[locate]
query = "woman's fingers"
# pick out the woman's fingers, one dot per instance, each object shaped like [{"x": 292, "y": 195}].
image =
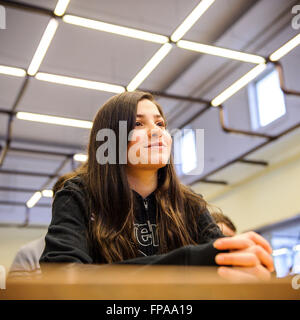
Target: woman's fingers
[
  {"x": 246, "y": 257},
  {"x": 264, "y": 257},
  {"x": 244, "y": 274},
  {"x": 233, "y": 243},
  {"x": 241, "y": 259},
  {"x": 242, "y": 241},
  {"x": 258, "y": 239},
  {"x": 247, "y": 250}
]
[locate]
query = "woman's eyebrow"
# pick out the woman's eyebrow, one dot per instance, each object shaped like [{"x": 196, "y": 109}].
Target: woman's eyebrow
[{"x": 155, "y": 116}]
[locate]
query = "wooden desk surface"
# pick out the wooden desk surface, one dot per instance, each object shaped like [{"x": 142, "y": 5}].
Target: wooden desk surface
[{"x": 127, "y": 282}]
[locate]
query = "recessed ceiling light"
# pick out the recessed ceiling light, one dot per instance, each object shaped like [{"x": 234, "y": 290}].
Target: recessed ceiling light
[
  {"x": 286, "y": 48},
  {"x": 149, "y": 66},
  {"x": 61, "y": 7},
  {"x": 112, "y": 28},
  {"x": 34, "y": 199},
  {"x": 54, "y": 120},
  {"x": 191, "y": 19},
  {"x": 80, "y": 157},
  {"x": 239, "y": 84},
  {"x": 11, "y": 71},
  {"x": 43, "y": 47},
  {"x": 221, "y": 52},
  {"x": 47, "y": 193},
  {"x": 88, "y": 84}
]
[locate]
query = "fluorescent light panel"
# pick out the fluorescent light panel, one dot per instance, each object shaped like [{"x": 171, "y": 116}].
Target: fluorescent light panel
[
  {"x": 61, "y": 7},
  {"x": 239, "y": 84},
  {"x": 54, "y": 120},
  {"x": 34, "y": 199},
  {"x": 112, "y": 28},
  {"x": 150, "y": 66},
  {"x": 80, "y": 157},
  {"x": 285, "y": 49},
  {"x": 191, "y": 19},
  {"x": 43, "y": 47},
  {"x": 17, "y": 72},
  {"x": 279, "y": 252},
  {"x": 88, "y": 84},
  {"x": 221, "y": 52},
  {"x": 296, "y": 247},
  {"x": 47, "y": 193}
]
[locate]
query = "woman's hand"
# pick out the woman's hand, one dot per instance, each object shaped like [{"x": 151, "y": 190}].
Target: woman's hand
[{"x": 250, "y": 255}]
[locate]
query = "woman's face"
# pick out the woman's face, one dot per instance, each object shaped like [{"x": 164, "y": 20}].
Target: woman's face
[{"x": 150, "y": 144}]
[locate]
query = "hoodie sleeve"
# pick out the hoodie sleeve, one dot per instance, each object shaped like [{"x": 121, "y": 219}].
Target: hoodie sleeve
[
  {"x": 198, "y": 255},
  {"x": 66, "y": 239}
]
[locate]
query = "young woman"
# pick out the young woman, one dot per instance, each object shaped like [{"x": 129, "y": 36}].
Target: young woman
[{"x": 126, "y": 204}]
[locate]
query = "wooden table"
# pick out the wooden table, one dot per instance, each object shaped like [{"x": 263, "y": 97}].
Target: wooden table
[{"x": 126, "y": 282}]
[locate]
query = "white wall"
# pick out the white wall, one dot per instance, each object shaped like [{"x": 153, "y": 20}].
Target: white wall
[
  {"x": 11, "y": 239},
  {"x": 270, "y": 196}
]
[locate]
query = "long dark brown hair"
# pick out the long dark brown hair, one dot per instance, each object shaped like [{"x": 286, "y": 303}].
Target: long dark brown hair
[{"x": 111, "y": 201}]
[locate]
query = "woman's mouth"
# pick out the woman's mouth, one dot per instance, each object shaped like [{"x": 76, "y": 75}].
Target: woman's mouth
[{"x": 156, "y": 145}]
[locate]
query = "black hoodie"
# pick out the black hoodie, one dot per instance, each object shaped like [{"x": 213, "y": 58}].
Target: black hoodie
[{"x": 66, "y": 239}]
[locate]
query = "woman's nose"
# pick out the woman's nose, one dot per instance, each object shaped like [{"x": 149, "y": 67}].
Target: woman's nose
[{"x": 154, "y": 131}]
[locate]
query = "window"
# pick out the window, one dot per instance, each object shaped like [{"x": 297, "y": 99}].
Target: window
[
  {"x": 186, "y": 151},
  {"x": 266, "y": 100},
  {"x": 284, "y": 237}
]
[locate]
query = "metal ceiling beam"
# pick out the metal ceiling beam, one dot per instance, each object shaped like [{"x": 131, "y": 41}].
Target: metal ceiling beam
[
  {"x": 22, "y": 204},
  {"x": 222, "y": 182},
  {"x": 177, "y": 97},
  {"x": 239, "y": 158},
  {"x": 227, "y": 129},
  {"x": 27, "y": 7},
  {"x": 41, "y": 152},
  {"x": 53, "y": 144},
  {"x": 18, "y": 225},
  {"x": 195, "y": 116},
  {"x": 255, "y": 162},
  {"x": 27, "y": 173},
  {"x": 279, "y": 69},
  {"x": 56, "y": 172},
  {"x": 10, "y": 121},
  {"x": 23, "y": 190}
]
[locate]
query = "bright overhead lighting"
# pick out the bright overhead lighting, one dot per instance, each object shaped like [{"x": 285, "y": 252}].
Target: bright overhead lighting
[
  {"x": 80, "y": 157},
  {"x": 112, "y": 28},
  {"x": 279, "y": 252},
  {"x": 239, "y": 84},
  {"x": 150, "y": 66},
  {"x": 34, "y": 199},
  {"x": 47, "y": 193},
  {"x": 88, "y": 84},
  {"x": 61, "y": 7},
  {"x": 54, "y": 120},
  {"x": 17, "y": 72},
  {"x": 191, "y": 19},
  {"x": 296, "y": 247},
  {"x": 221, "y": 52},
  {"x": 286, "y": 48},
  {"x": 43, "y": 47}
]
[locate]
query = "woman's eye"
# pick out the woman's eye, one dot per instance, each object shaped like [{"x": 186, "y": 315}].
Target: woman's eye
[{"x": 161, "y": 124}]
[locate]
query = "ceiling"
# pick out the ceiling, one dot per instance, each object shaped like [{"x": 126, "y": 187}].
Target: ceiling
[{"x": 257, "y": 27}]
